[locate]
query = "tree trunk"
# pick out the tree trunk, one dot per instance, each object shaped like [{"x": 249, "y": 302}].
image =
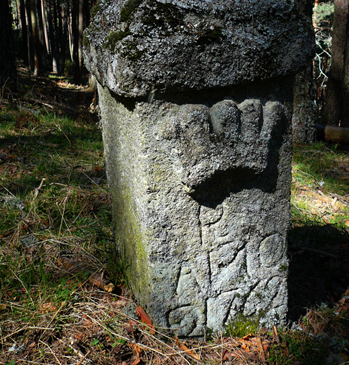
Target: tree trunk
[
  {"x": 30, "y": 36},
  {"x": 78, "y": 61},
  {"x": 24, "y": 33},
  {"x": 75, "y": 33},
  {"x": 41, "y": 46},
  {"x": 336, "y": 109},
  {"x": 304, "y": 110},
  {"x": 52, "y": 36},
  {"x": 45, "y": 32},
  {"x": 8, "y": 72},
  {"x": 63, "y": 31},
  {"x": 36, "y": 42},
  {"x": 71, "y": 34}
]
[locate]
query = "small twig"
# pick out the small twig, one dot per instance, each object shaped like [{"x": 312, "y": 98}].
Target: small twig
[
  {"x": 8, "y": 191},
  {"x": 80, "y": 362},
  {"x": 59, "y": 184},
  {"x": 40, "y": 328},
  {"x": 93, "y": 182},
  {"x": 36, "y": 191},
  {"x": 62, "y": 213},
  {"x": 177, "y": 352},
  {"x": 14, "y": 333},
  {"x": 60, "y": 129},
  {"x": 51, "y": 352},
  {"x": 38, "y": 102},
  {"x": 125, "y": 338},
  {"x": 3, "y": 88},
  {"x": 54, "y": 316},
  {"x": 320, "y": 69},
  {"x": 25, "y": 288}
]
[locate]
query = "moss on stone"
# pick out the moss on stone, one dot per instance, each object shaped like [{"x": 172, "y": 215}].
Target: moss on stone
[
  {"x": 128, "y": 9},
  {"x": 85, "y": 41},
  {"x": 131, "y": 245},
  {"x": 241, "y": 326},
  {"x": 132, "y": 52},
  {"x": 163, "y": 14},
  {"x": 283, "y": 268},
  {"x": 95, "y": 9},
  {"x": 113, "y": 37}
]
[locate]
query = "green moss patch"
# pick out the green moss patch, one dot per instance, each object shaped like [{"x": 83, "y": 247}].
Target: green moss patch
[
  {"x": 95, "y": 9},
  {"x": 132, "y": 52},
  {"x": 85, "y": 41},
  {"x": 242, "y": 326},
  {"x": 163, "y": 14},
  {"x": 128, "y": 9},
  {"x": 114, "y": 37}
]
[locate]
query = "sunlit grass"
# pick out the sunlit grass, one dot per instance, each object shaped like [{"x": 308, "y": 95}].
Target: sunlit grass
[{"x": 54, "y": 204}]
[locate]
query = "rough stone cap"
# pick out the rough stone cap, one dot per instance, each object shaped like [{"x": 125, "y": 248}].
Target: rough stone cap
[{"x": 137, "y": 47}]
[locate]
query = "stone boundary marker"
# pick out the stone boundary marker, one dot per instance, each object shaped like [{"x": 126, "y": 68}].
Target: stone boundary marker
[{"x": 196, "y": 103}]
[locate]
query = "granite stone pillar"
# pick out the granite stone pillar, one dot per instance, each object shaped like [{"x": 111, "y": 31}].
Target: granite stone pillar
[{"x": 196, "y": 104}]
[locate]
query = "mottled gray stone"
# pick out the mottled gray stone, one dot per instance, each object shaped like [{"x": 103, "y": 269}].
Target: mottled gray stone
[
  {"x": 173, "y": 45},
  {"x": 198, "y": 156}
]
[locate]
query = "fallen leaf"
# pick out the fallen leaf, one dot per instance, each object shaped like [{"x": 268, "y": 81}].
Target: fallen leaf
[
  {"x": 48, "y": 307},
  {"x": 119, "y": 303},
  {"x": 136, "y": 348},
  {"x": 2, "y": 306},
  {"x": 145, "y": 318},
  {"x": 138, "y": 352},
  {"x": 243, "y": 354},
  {"x": 245, "y": 347},
  {"x": 184, "y": 348},
  {"x": 109, "y": 287},
  {"x": 226, "y": 355},
  {"x": 261, "y": 349}
]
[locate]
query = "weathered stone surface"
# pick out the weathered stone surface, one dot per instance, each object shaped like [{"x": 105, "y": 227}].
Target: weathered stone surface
[
  {"x": 136, "y": 47},
  {"x": 201, "y": 206},
  {"x": 200, "y": 169}
]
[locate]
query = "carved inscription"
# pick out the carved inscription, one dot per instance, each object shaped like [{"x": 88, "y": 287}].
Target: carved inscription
[{"x": 220, "y": 153}]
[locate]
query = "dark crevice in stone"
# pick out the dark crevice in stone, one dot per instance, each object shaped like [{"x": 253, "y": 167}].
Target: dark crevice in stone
[
  {"x": 276, "y": 89},
  {"x": 216, "y": 189}
]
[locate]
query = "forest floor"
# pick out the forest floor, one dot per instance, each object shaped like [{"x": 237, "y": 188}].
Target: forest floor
[{"x": 64, "y": 301}]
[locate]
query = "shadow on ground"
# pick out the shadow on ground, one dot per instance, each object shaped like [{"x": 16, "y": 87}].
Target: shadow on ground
[{"x": 319, "y": 267}]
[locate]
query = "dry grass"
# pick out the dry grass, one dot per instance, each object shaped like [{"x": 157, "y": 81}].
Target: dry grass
[{"x": 63, "y": 300}]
